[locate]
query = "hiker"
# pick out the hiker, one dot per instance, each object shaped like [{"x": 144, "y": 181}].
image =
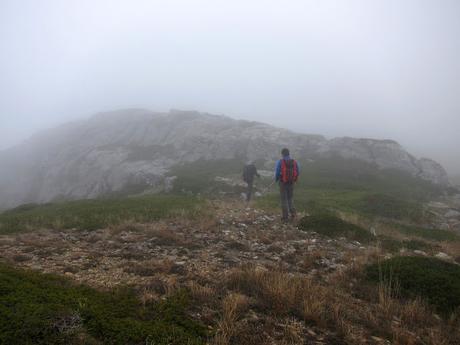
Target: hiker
[
  {"x": 286, "y": 174},
  {"x": 249, "y": 172}
]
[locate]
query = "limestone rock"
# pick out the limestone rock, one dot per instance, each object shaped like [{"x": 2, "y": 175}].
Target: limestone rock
[
  {"x": 443, "y": 256},
  {"x": 133, "y": 150},
  {"x": 452, "y": 214}
]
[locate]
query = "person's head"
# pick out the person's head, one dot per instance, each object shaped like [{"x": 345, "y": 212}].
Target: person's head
[{"x": 285, "y": 152}]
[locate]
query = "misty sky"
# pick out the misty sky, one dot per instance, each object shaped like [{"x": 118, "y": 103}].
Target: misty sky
[{"x": 368, "y": 68}]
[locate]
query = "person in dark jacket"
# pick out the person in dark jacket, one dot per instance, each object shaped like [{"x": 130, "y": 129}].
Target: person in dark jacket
[
  {"x": 286, "y": 173},
  {"x": 249, "y": 172}
]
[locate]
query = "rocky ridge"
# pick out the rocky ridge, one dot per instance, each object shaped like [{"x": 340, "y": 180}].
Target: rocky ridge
[{"x": 115, "y": 151}]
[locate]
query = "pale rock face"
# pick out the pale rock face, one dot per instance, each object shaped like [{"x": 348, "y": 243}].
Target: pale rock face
[
  {"x": 113, "y": 151},
  {"x": 386, "y": 154},
  {"x": 432, "y": 171}
]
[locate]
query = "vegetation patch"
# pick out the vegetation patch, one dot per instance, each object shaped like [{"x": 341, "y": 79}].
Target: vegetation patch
[
  {"x": 45, "y": 309},
  {"x": 387, "y": 206},
  {"x": 199, "y": 177},
  {"x": 355, "y": 186},
  {"x": 332, "y": 226},
  {"x": 98, "y": 213},
  {"x": 426, "y": 233},
  {"x": 351, "y": 174},
  {"x": 418, "y": 245},
  {"x": 392, "y": 245},
  {"x": 436, "y": 281}
]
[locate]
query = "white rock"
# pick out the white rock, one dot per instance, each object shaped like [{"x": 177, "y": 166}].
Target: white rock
[
  {"x": 452, "y": 214},
  {"x": 443, "y": 256}
]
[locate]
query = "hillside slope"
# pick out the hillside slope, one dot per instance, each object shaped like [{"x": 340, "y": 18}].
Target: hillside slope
[
  {"x": 133, "y": 150},
  {"x": 248, "y": 278}
]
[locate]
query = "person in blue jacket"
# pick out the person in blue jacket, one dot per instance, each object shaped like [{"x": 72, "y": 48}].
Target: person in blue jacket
[{"x": 286, "y": 174}]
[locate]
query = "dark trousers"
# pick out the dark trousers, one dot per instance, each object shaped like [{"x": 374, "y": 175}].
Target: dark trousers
[
  {"x": 287, "y": 204},
  {"x": 249, "y": 191}
]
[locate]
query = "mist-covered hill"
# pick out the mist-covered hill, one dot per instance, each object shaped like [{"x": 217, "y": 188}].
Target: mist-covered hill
[{"x": 130, "y": 149}]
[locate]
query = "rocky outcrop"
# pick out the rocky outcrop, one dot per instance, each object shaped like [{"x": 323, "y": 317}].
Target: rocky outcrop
[
  {"x": 432, "y": 171},
  {"x": 135, "y": 148}
]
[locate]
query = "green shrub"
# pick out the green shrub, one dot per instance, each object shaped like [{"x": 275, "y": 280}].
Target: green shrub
[
  {"x": 436, "y": 281},
  {"x": 332, "y": 226},
  {"x": 46, "y": 309},
  {"x": 97, "y": 213}
]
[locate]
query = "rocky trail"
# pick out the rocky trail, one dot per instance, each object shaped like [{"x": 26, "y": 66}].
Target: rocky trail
[
  {"x": 200, "y": 254},
  {"x": 133, "y": 253}
]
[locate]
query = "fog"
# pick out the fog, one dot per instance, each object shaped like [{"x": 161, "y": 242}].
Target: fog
[{"x": 380, "y": 68}]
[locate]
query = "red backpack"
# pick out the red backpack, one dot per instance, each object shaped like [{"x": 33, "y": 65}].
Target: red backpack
[{"x": 289, "y": 171}]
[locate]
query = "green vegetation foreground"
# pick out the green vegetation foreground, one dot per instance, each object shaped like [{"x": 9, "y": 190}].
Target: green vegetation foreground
[
  {"x": 46, "y": 309},
  {"x": 98, "y": 213}
]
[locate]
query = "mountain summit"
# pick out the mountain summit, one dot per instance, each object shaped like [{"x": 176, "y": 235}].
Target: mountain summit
[{"x": 111, "y": 151}]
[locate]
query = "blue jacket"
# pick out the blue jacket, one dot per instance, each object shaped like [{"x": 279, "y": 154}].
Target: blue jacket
[{"x": 278, "y": 168}]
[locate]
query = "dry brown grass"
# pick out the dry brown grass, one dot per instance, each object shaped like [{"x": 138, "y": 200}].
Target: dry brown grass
[
  {"x": 233, "y": 306},
  {"x": 293, "y": 332},
  {"x": 281, "y": 235},
  {"x": 6, "y": 241},
  {"x": 452, "y": 248},
  {"x": 154, "y": 266},
  {"x": 41, "y": 240},
  {"x": 201, "y": 293},
  {"x": 18, "y": 258},
  {"x": 310, "y": 260},
  {"x": 126, "y": 226},
  {"x": 165, "y": 236},
  {"x": 356, "y": 320},
  {"x": 281, "y": 293},
  {"x": 207, "y": 223}
]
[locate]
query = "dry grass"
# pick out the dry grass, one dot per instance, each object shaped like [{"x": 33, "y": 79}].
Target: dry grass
[
  {"x": 18, "y": 258},
  {"x": 310, "y": 261},
  {"x": 280, "y": 235},
  {"x": 38, "y": 240},
  {"x": 293, "y": 332},
  {"x": 128, "y": 226},
  {"x": 452, "y": 248},
  {"x": 233, "y": 306},
  {"x": 200, "y": 293},
  {"x": 164, "y": 236},
  {"x": 281, "y": 293},
  {"x": 378, "y": 316},
  {"x": 154, "y": 266},
  {"x": 387, "y": 292},
  {"x": 6, "y": 241}
]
